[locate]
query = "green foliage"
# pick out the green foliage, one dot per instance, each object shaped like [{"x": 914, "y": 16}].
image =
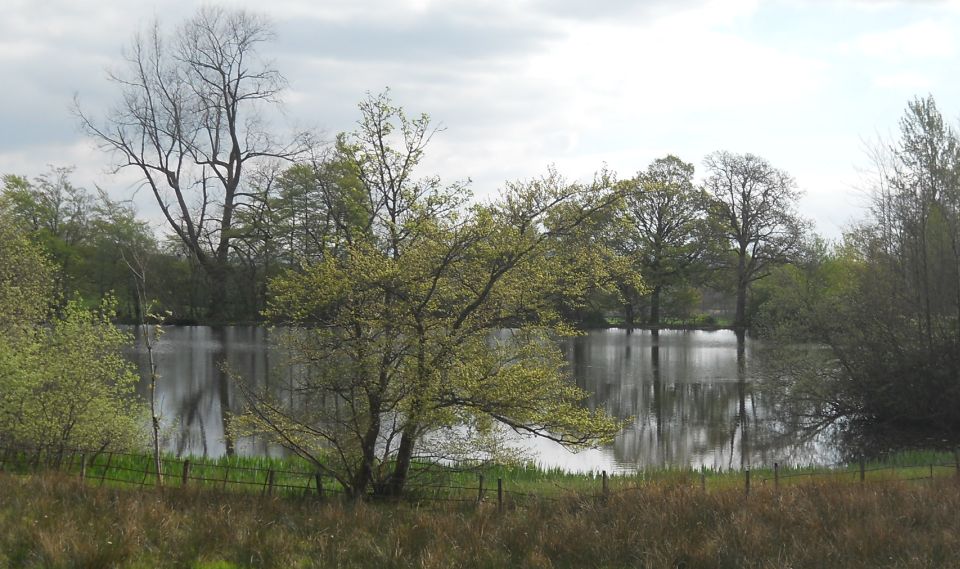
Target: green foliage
[
  {"x": 395, "y": 325},
  {"x": 68, "y": 386},
  {"x": 86, "y": 237},
  {"x": 26, "y": 283},
  {"x": 662, "y": 230},
  {"x": 886, "y": 305},
  {"x": 63, "y": 382}
]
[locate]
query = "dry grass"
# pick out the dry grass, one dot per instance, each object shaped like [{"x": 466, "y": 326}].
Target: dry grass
[{"x": 47, "y": 521}]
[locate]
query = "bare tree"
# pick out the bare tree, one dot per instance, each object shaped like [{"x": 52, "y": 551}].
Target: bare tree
[
  {"x": 753, "y": 208},
  {"x": 138, "y": 269},
  {"x": 190, "y": 119}
]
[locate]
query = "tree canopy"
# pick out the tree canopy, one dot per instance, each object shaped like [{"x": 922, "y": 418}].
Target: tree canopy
[
  {"x": 395, "y": 329},
  {"x": 663, "y": 227},
  {"x": 886, "y": 304},
  {"x": 64, "y": 383},
  {"x": 754, "y": 210}
]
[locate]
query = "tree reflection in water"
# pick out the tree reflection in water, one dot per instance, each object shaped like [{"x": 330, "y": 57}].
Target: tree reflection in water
[{"x": 689, "y": 396}]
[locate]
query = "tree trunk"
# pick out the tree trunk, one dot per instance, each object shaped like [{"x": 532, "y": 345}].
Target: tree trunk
[
  {"x": 217, "y": 274},
  {"x": 408, "y": 439},
  {"x": 655, "y": 305},
  {"x": 628, "y": 316},
  {"x": 404, "y": 457},
  {"x": 364, "y": 474},
  {"x": 740, "y": 320}
]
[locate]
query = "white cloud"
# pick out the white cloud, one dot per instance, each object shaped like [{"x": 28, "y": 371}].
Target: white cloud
[
  {"x": 906, "y": 81},
  {"x": 521, "y": 84},
  {"x": 923, "y": 39}
]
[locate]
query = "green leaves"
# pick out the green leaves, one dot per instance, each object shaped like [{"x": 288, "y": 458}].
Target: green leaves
[
  {"x": 396, "y": 329},
  {"x": 63, "y": 380},
  {"x": 68, "y": 386}
]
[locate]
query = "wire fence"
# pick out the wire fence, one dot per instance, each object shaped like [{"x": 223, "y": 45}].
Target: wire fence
[{"x": 117, "y": 469}]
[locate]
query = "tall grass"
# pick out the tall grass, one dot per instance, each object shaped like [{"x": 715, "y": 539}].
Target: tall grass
[{"x": 56, "y": 522}]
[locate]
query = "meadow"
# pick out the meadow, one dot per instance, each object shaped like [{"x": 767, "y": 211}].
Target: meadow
[{"x": 669, "y": 520}]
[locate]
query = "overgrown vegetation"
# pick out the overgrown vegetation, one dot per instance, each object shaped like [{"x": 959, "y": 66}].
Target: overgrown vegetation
[
  {"x": 391, "y": 344},
  {"x": 885, "y": 304},
  {"x": 54, "y": 523},
  {"x": 63, "y": 380}
]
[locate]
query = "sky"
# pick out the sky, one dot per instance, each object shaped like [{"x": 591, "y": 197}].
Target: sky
[{"x": 517, "y": 86}]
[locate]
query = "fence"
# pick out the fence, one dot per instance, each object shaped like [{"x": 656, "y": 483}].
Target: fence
[
  {"x": 101, "y": 468},
  {"x": 120, "y": 468}
]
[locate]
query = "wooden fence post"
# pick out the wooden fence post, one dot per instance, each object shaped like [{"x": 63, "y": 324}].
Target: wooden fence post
[
  {"x": 499, "y": 494},
  {"x": 269, "y": 488},
  {"x": 703, "y": 481},
  {"x": 480, "y": 490},
  {"x": 776, "y": 476},
  {"x": 746, "y": 488},
  {"x": 106, "y": 468},
  {"x": 186, "y": 474},
  {"x": 146, "y": 474},
  {"x": 606, "y": 484}
]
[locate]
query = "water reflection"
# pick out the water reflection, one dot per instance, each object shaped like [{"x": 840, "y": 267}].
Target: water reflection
[
  {"x": 688, "y": 397},
  {"x": 194, "y": 393}
]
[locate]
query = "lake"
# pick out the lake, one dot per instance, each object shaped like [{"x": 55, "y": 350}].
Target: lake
[{"x": 689, "y": 398}]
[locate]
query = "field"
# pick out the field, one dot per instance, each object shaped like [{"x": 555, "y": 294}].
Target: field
[{"x": 54, "y": 520}]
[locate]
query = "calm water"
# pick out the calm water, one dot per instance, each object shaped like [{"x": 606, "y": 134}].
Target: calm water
[{"x": 689, "y": 398}]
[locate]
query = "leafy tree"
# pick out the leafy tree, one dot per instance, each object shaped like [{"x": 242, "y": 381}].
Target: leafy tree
[
  {"x": 115, "y": 236},
  {"x": 298, "y": 216},
  {"x": 56, "y": 214},
  {"x": 63, "y": 381},
  {"x": 189, "y": 121},
  {"x": 663, "y": 228},
  {"x": 886, "y": 304},
  {"x": 85, "y": 235},
  {"x": 396, "y": 339},
  {"x": 26, "y": 283},
  {"x": 753, "y": 210}
]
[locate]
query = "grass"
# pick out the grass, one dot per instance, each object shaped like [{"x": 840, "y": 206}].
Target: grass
[
  {"x": 55, "y": 522},
  {"x": 430, "y": 482}
]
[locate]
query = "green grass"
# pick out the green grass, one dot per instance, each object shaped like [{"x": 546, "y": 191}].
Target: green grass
[{"x": 432, "y": 482}]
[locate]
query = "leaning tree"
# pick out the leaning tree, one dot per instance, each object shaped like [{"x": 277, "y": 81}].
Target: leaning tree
[{"x": 434, "y": 321}]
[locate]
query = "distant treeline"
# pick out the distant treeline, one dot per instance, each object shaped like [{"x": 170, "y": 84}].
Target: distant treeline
[{"x": 677, "y": 263}]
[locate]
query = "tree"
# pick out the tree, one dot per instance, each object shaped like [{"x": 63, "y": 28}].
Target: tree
[
  {"x": 115, "y": 235},
  {"x": 396, "y": 336},
  {"x": 190, "y": 121},
  {"x": 886, "y": 305},
  {"x": 298, "y": 217},
  {"x": 84, "y": 234},
  {"x": 753, "y": 209},
  {"x": 663, "y": 227},
  {"x": 26, "y": 282},
  {"x": 64, "y": 382},
  {"x": 56, "y": 214}
]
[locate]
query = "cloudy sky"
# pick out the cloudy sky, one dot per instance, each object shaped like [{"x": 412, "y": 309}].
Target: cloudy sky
[{"x": 522, "y": 84}]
